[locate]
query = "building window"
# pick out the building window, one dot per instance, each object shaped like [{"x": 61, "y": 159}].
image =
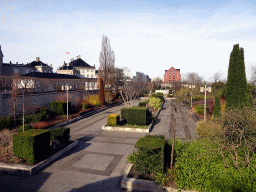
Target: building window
[
  {"x": 87, "y": 76},
  {"x": 16, "y": 71},
  {"x": 91, "y": 76},
  {"x": 87, "y": 70},
  {"x": 83, "y": 71},
  {"x": 91, "y": 70}
]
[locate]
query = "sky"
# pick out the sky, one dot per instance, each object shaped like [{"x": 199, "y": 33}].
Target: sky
[{"x": 146, "y": 36}]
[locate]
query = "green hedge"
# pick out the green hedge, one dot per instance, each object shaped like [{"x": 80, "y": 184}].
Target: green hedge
[
  {"x": 158, "y": 95},
  {"x": 85, "y": 105},
  {"x": 143, "y": 103},
  {"x": 124, "y": 113},
  {"x": 150, "y": 156},
  {"x": 60, "y": 107},
  {"x": 137, "y": 115},
  {"x": 113, "y": 119},
  {"x": 5, "y": 122},
  {"x": 27, "y": 127},
  {"x": 32, "y": 145},
  {"x": 61, "y": 134}
]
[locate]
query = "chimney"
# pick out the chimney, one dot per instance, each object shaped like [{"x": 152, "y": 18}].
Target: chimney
[
  {"x": 79, "y": 56},
  {"x": 72, "y": 59},
  {"x": 37, "y": 59}
]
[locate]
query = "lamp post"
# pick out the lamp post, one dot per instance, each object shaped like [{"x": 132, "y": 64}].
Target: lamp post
[
  {"x": 204, "y": 89},
  {"x": 191, "y": 86},
  {"x": 67, "y": 88}
]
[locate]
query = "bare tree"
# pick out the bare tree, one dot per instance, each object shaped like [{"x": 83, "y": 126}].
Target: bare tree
[
  {"x": 107, "y": 62},
  {"x": 216, "y": 77},
  {"x": 253, "y": 74}
]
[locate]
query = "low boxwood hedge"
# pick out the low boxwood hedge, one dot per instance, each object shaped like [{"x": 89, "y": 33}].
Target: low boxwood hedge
[
  {"x": 61, "y": 134},
  {"x": 113, "y": 119}
]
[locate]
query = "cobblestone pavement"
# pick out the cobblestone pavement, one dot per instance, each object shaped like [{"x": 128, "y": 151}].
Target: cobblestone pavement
[{"x": 98, "y": 162}]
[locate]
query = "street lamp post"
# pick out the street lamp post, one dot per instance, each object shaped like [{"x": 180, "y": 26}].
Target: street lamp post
[{"x": 204, "y": 89}]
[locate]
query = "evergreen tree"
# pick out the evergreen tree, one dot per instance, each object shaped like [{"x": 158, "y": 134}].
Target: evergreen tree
[
  {"x": 236, "y": 88},
  {"x": 216, "y": 112},
  {"x": 101, "y": 92}
]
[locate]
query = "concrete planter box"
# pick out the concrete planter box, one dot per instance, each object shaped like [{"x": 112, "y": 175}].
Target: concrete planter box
[{"x": 20, "y": 170}]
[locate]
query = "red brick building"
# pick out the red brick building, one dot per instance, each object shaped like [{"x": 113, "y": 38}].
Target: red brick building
[{"x": 171, "y": 75}]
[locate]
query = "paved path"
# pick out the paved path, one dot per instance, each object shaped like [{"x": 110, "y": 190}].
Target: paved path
[{"x": 98, "y": 162}]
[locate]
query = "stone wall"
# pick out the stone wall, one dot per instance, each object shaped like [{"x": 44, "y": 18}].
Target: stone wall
[{"x": 32, "y": 101}]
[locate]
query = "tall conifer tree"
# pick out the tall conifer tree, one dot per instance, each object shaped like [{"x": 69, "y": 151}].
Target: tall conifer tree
[
  {"x": 236, "y": 88},
  {"x": 101, "y": 92}
]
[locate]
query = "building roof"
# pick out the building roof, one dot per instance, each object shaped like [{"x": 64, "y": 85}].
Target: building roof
[
  {"x": 65, "y": 67},
  {"x": 79, "y": 63},
  {"x": 51, "y": 75},
  {"x": 1, "y": 53},
  {"x": 37, "y": 63}
]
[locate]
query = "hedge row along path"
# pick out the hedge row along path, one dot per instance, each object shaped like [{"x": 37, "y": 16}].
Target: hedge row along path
[{"x": 98, "y": 162}]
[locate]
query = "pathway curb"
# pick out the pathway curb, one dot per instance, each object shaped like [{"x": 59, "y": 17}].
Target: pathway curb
[{"x": 21, "y": 170}]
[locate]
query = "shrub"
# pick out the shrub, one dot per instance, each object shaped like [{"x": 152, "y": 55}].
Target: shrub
[
  {"x": 61, "y": 134},
  {"x": 5, "y": 122},
  {"x": 155, "y": 103},
  {"x": 40, "y": 125},
  {"x": 113, "y": 119},
  {"x": 199, "y": 166},
  {"x": 86, "y": 105},
  {"x": 31, "y": 145},
  {"x": 200, "y": 109},
  {"x": 137, "y": 115},
  {"x": 60, "y": 107},
  {"x": 143, "y": 103},
  {"x": 94, "y": 100},
  {"x": 216, "y": 112},
  {"x": 198, "y": 97},
  {"x": 150, "y": 156},
  {"x": 26, "y": 127},
  {"x": 124, "y": 113},
  {"x": 158, "y": 95}
]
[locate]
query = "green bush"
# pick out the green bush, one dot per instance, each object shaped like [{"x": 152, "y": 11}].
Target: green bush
[
  {"x": 124, "y": 113},
  {"x": 31, "y": 119},
  {"x": 60, "y": 107},
  {"x": 5, "y": 122},
  {"x": 198, "y": 97},
  {"x": 143, "y": 103},
  {"x": 61, "y": 134},
  {"x": 158, "y": 95},
  {"x": 200, "y": 109},
  {"x": 150, "y": 156},
  {"x": 26, "y": 127},
  {"x": 86, "y": 105},
  {"x": 113, "y": 119},
  {"x": 199, "y": 166},
  {"x": 31, "y": 145},
  {"x": 137, "y": 115},
  {"x": 155, "y": 103}
]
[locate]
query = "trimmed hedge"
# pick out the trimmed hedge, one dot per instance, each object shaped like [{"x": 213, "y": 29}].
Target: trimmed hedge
[
  {"x": 60, "y": 107},
  {"x": 26, "y": 127},
  {"x": 143, "y": 103},
  {"x": 113, "y": 119},
  {"x": 124, "y": 113},
  {"x": 150, "y": 156},
  {"x": 61, "y": 134},
  {"x": 5, "y": 122},
  {"x": 137, "y": 115},
  {"x": 31, "y": 145}
]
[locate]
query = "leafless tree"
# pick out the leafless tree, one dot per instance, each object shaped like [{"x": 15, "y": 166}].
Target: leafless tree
[
  {"x": 217, "y": 77},
  {"x": 107, "y": 62},
  {"x": 253, "y": 74}
]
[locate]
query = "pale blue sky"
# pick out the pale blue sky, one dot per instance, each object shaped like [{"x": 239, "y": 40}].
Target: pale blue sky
[{"x": 146, "y": 36}]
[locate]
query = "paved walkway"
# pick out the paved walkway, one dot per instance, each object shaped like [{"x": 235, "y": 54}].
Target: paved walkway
[{"x": 98, "y": 162}]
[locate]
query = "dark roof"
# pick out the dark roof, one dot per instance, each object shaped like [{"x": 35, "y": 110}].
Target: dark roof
[
  {"x": 79, "y": 63},
  {"x": 50, "y": 75},
  {"x": 65, "y": 67},
  {"x": 37, "y": 63},
  {"x": 15, "y": 65},
  {"x": 1, "y": 53}
]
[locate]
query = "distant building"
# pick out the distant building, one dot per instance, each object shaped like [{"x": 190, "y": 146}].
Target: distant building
[
  {"x": 142, "y": 76},
  {"x": 172, "y": 75},
  {"x": 85, "y": 70},
  {"x": 22, "y": 69}
]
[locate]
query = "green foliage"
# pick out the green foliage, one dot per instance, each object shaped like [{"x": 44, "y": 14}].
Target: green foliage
[
  {"x": 60, "y": 107},
  {"x": 113, "y": 119},
  {"x": 236, "y": 88},
  {"x": 94, "y": 100},
  {"x": 143, "y": 103},
  {"x": 5, "y": 122},
  {"x": 216, "y": 112},
  {"x": 101, "y": 92},
  {"x": 155, "y": 103},
  {"x": 199, "y": 166},
  {"x": 219, "y": 89},
  {"x": 61, "y": 134},
  {"x": 200, "y": 109},
  {"x": 86, "y": 105},
  {"x": 137, "y": 115},
  {"x": 150, "y": 156},
  {"x": 198, "y": 97},
  {"x": 124, "y": 113},
  {"x": 26, "y": 127},
  {"x": 158, "y": 95},
  {"x": 31, "y": 145}
]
